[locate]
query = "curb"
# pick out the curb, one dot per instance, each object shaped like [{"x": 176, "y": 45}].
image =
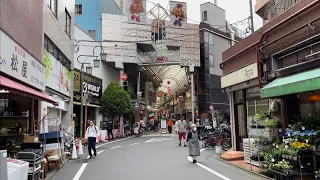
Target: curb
[{"x": 247, "y": 170}]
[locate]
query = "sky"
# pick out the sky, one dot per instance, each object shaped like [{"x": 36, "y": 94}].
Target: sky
[{"x": 236, "y": 10}]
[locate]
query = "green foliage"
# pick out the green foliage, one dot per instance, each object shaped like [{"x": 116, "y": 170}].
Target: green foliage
[
  {"x": 116, "y": 101},
  {"x": 266, "y": 119}
]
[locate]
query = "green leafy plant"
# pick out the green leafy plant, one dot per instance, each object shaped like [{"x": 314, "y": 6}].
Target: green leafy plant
[
  {"x": 283, "y": 166},
  {"x": 317, "y": 174},
  {"x": 266, "y": 119},
  {"x": 115, "y": 102}
]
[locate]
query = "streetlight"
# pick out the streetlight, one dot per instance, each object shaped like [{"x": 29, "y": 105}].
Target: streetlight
[{"x": 81, "y": 88}]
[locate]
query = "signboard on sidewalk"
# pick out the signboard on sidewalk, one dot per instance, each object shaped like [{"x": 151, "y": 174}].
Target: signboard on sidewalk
[{"x": 163, "y": 124}]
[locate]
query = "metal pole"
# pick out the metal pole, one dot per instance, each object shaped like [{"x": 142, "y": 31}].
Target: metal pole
[
  {"x": 81, "y": 103},
  {"x": 251, "y": 16},
  {"x": 138, "y": 95},
  {"x": 192, "y": 96},
  {"x": 85, "y": 119}
]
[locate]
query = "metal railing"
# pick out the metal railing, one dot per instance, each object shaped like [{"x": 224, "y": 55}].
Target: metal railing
[{"x": 280, "y": 7}]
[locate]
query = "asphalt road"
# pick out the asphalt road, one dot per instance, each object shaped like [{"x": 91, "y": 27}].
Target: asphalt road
[{"x": 148, "y": 158}]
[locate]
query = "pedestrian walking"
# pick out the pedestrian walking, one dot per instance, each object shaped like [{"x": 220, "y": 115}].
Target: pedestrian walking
[
  {"x": 176, "y": 128},
  {"x": 182, "y": 130},
  {"x": 92, "y": 133},
  {"x": 193, "y": 140},
  {"x": 109, "y": 130},
  {"x": 169, "y": 126}
]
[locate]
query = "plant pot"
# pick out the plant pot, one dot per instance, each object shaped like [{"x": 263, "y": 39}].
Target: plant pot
[
  {"x": 295, "y": 158},
  {"x": 218, "y": 149},
  {"x": 289, "y": 172}
]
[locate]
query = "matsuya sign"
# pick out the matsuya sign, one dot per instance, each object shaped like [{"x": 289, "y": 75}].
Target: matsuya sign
[
  {"x": 18, "y": 63},
  {"x": 91, "y": 84}
]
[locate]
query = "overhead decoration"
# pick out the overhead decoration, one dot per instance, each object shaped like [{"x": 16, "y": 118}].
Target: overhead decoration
[
  {"x": 137, "y": 11},
  {"x": 178, "y": 11}
]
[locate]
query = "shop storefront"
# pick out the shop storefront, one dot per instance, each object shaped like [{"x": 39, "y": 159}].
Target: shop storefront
[
  {"x": 22, "y": 79},
  {"x": 91, "y": 85},
  {"x": 245, "y": 102},
  {"x": 58, "y": 87}
]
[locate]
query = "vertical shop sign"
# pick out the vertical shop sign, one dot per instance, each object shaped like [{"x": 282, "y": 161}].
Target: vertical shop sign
[{"x": 15, "y": 61}]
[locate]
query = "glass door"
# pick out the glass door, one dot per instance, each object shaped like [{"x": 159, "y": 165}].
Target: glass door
[{"x": 241, "y": 124}]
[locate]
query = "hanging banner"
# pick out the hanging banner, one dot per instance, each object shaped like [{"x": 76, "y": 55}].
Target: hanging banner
[
  {"x": 58, "y": 77},
  {"x": 137, "y": 11},
  {"x": 178, "y": 15}
]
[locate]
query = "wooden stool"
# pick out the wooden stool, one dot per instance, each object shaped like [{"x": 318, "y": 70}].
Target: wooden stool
[
  {"x": 43, "y": 168},
  {"x": 53, "y": 160}
]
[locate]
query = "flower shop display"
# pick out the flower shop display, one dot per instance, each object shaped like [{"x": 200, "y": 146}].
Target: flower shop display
[{"x": 291, "y": 155}]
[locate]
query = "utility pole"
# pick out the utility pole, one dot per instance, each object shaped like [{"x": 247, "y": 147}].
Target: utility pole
[
  {"x": 191, "y": 70},
  {"x": 251, "y": 16}
]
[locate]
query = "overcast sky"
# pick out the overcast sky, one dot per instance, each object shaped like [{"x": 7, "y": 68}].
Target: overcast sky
[{"x": 236, "y": 10}]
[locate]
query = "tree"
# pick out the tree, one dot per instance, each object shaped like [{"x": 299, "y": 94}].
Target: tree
[{"x": 115, "y": 102}]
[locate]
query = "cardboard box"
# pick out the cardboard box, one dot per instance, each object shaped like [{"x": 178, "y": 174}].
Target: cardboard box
[{"x": 28, "y": 139}]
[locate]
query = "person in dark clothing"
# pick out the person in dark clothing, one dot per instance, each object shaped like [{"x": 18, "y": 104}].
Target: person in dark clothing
[{"x": 109, "y": 130}]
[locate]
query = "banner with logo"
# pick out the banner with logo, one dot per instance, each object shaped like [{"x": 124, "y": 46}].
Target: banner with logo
[{"x": 91, "y": 84}]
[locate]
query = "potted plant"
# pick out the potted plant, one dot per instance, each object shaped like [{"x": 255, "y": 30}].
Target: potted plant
[
  {"x": 317, "y": 174},
  {"x": 284, "y": 166},
  {"x": 218, "y": 147},
  {"x": 292, "y": 154}
]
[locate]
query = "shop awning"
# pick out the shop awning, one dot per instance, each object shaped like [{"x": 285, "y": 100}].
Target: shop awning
[
  {"x": 301, "y": 82},
  {"x": 20, "y": 89}
]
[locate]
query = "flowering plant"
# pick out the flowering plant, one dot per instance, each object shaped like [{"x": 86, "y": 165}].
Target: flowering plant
[
  {"x": 301, "y": 134},
  {"x": 284, "y": 166},
  {"x": 300, "y": 145}
]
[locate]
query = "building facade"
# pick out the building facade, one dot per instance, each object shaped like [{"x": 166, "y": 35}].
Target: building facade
[
  {"x": 100, "y": 77},
  {"x": 58, "y": 53},
  {"x": 261, "y": 59},
  {"x": 89, "y": 15},
  {"x": 22, "y": 73},
  {"x": 213, "y": 42}
]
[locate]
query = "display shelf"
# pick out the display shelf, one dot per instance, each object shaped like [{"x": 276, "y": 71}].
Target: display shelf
[
  {"x": 249, "y": 150},
  {"x": 11, "y": 135}
]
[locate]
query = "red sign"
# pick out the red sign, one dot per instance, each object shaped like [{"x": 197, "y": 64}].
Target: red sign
[
  {"x": 162, "y": 59},
  {"x": 123, "y": 77}
]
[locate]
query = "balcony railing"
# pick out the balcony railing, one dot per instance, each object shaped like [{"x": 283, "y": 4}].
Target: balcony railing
[{"x": 280, "y": 7}]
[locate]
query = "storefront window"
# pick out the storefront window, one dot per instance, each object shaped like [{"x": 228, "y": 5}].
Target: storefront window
[
  {"x": 309, "y": 104},
  {"x": 253, "y": 108}
]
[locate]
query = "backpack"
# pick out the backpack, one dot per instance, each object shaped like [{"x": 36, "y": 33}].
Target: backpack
[{"x": 95, "y": 127}]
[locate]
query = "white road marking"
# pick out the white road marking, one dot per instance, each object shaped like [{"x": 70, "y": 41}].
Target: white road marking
[
  {"x": 99, "y": 152},
  {"x": 77, "y": 176},
  {"x": 115, "y": 147},
  {"x": 109, "y": 143},
  {"x": 133, "y": 144},
  {"x": 208, "y": 169},
  {"x": 158, "y": 140}
]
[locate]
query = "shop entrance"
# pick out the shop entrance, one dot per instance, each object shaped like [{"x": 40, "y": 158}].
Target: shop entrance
[{"x": 240, "y": 123}]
